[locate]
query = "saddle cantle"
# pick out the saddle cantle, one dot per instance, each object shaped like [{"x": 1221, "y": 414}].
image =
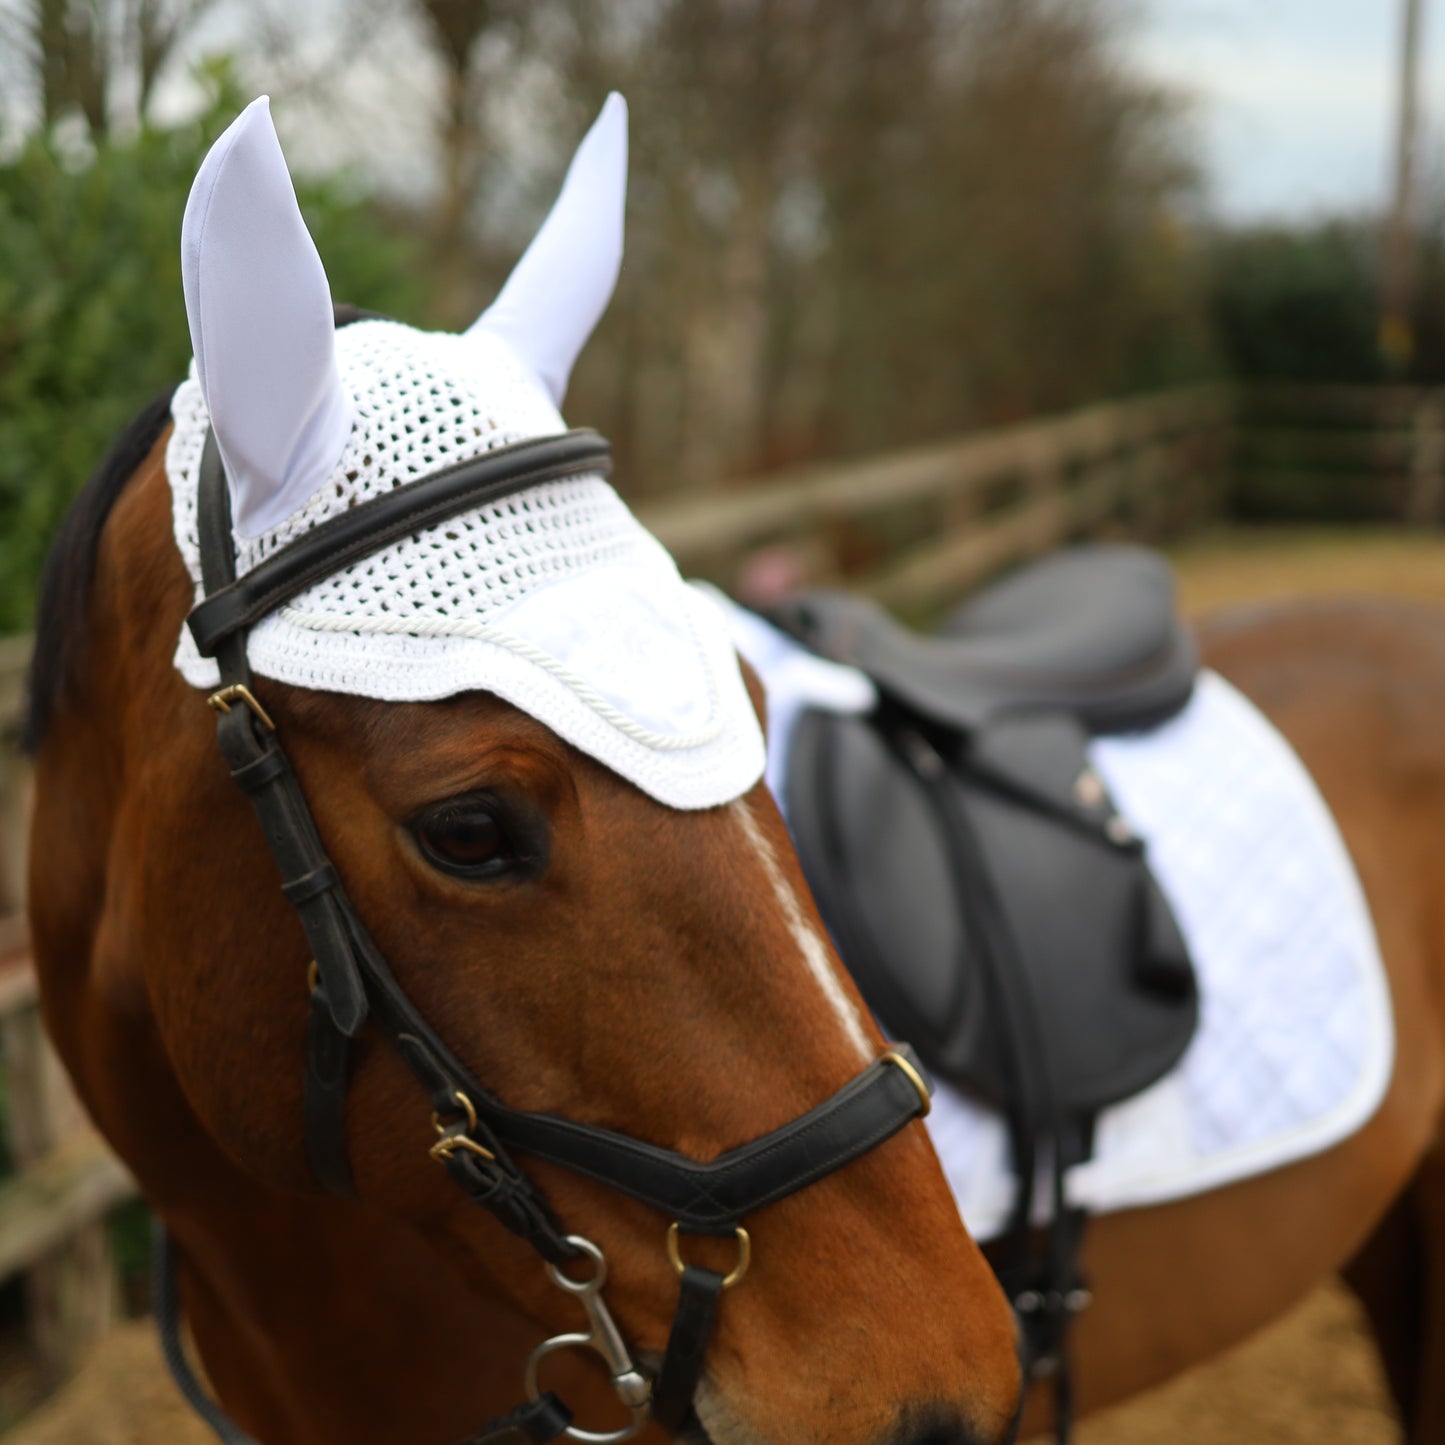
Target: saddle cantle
[
  {"x": 977, "y": 879},
  {"x": 1092, "y": 632}
]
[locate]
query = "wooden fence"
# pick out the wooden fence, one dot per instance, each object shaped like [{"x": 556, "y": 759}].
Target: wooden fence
[
  {"x": 914, "y": 528},
  {"x": 1340, "y": 454},
  {"x": 65, "y": 1182},
  {"x": 917, "y": 527}
]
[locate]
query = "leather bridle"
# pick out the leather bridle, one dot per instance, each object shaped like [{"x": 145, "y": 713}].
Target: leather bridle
[{"x": 477, "y": 1134}]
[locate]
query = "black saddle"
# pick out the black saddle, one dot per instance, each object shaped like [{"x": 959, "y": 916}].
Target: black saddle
[
  {"x": 1092, "y": 633},
  {"x": 991, "y": 903}
]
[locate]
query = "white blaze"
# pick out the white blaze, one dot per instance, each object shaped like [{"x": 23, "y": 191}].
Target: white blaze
[{"x": 815, "y": 951}]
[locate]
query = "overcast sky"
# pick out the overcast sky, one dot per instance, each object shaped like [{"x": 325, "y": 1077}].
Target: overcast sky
[{"x": 1295, "y": 99}]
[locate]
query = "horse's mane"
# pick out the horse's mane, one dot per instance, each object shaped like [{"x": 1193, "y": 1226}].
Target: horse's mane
[{"x": 70, "y": 566}]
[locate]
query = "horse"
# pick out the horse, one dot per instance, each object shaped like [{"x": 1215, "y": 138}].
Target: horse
[
  {"x": 646, "y": 979},
  {"x": 642, "y": 967}
]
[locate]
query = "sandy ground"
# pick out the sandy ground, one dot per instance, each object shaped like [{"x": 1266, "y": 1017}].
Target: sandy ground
[
  {"x": 1229, "y": 566},
  {"x": 122, "y": 1397},
  {"x": 1311, "y": 1379}
]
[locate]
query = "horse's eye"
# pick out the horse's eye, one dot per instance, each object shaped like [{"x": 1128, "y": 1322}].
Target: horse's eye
[{"x": 464, "y": 837}]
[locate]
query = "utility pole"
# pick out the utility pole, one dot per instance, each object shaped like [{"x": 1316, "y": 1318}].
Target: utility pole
[{"x": 1397, "y": 340}]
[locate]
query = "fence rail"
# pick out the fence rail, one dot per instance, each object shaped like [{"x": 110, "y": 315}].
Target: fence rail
[
  {"x": 914, "y": 528},
  {"x": 1346, "y": 453},
  {"x": 53, "y": 1208}
]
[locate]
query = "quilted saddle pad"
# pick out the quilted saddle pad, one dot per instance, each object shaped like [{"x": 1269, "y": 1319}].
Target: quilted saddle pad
[{"x": 1296, "y": 1040}]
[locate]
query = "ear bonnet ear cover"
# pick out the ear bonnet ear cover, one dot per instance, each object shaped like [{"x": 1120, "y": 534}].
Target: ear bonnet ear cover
[
  {"x": 555, "y": 598},
  {"x": 561, "y": 286},
  {"x": 259, "y": 309}
]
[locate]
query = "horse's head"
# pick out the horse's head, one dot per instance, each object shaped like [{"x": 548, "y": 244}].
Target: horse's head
[{"x": 532, "y": 761}]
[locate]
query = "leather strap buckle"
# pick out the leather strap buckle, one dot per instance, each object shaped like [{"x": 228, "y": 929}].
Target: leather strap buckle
[
  {"x": 451, "y": 1137},
  {"x": 239, "y": 692}
]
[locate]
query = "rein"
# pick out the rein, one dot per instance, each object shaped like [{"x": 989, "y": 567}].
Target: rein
[{"x": 475, "y": 1132}]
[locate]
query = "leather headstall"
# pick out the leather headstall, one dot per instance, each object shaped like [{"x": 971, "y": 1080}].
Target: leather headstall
[{"x": 351, "y": 985}]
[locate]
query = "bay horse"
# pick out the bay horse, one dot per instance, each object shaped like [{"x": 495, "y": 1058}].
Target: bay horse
[
  {"x": 660, "y": 971},
  {"x": 647, "y": 978}
]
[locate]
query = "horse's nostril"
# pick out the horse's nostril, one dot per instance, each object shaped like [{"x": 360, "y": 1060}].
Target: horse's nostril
[{"x": 937, "y": 1430}]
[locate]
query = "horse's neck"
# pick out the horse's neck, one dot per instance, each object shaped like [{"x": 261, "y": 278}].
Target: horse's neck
[{"x": 318, "y": 1321}]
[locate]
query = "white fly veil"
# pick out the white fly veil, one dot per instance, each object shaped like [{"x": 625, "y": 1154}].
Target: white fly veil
[{"x": 554, "y": 598}]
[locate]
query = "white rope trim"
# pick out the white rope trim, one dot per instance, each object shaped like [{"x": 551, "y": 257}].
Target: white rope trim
[{"x": 423, "y": 625}]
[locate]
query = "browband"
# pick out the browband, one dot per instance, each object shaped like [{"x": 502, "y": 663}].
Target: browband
[{"x": 341, "y": 540}]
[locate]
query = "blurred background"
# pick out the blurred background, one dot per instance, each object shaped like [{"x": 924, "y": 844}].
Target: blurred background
[
  {"x": 852, "y": 228},
  {"x": 912, "y": 291}
]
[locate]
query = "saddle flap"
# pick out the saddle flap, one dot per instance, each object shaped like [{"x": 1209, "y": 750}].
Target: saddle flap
[
  {"x": 1091, "y": 955},
  {"x": 872, "y": 856}
]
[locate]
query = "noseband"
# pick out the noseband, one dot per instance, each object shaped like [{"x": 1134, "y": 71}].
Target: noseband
[{"x": 477, "y": 1134}]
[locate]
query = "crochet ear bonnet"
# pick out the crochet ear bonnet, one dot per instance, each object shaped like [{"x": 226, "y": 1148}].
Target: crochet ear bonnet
[{"x": 554, "y": 598}]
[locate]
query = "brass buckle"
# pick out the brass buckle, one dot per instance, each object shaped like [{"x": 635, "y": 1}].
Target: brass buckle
[
  {"x": 913, "y": 1077},
  {"x": 745, "y": 1254},
  {"x": 239, "y": 692},
  {"x": 451, "y": 1137}
]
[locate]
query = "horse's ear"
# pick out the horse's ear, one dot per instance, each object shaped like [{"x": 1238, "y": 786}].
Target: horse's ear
[
  {"x": 562, "y": 285},
  {"x": 262, "y": 329}
]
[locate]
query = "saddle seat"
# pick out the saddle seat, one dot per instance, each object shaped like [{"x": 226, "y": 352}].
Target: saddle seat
[{"x": 1092, "y": 632}]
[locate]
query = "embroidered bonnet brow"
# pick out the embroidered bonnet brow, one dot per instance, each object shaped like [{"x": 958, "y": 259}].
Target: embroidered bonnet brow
[{"x": 553, "y": 597}]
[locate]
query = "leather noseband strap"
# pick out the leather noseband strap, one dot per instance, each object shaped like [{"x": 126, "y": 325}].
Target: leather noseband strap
[{"x": 352, "y": 983}]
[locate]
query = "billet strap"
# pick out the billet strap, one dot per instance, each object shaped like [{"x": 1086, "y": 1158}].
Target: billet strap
[{"x": 339, "y": 541}]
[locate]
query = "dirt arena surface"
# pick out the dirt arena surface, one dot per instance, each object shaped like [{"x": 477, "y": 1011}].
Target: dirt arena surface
[
  {"x": 1311, "y": 1379},
  {"x": 1229, "y": 566}
]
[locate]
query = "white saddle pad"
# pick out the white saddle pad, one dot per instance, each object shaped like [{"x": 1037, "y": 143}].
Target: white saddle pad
[{"x": 1296, "y": 1039}]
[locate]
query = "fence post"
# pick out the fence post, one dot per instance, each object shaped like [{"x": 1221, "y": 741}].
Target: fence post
[
  {"x": 1427, "y": 462},
  {"x": 71, "y": 1293}
]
